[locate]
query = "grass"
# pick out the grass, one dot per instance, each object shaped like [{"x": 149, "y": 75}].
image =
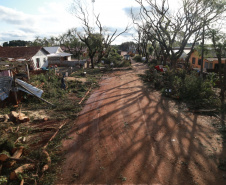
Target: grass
[{"x": 66, "y": 108}]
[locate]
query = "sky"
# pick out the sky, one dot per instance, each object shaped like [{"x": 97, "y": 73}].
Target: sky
[{"x": 27, "y": 19}]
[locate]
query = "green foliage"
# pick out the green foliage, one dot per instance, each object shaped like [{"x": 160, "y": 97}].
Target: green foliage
[
  {"x": 138, "y": 58},
  {"x": 16, "y": 43},
  {"x": 188, "y": 87},
  {"x": 117, "y": 59},
  {"x": 191, "y": 88},
  {"x": 126, "y": 45},
  {"x": 50, "y": 85},
  {"x": 150, "y": 50},
  {"x": 7, "y": 145},
  {"x": 3, "y": 180}
]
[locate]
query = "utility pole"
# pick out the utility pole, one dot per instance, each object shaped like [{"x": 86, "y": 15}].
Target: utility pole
[{"x": 93, "y": 1}]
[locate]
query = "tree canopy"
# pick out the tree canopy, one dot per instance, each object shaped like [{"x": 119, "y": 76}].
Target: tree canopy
[{"x": 168, "y": 26}]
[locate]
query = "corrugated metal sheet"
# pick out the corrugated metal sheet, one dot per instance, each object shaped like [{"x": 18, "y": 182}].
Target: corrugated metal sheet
[
  {"x": 34, "y": 90},
  {"x": 5, "y": 87}
]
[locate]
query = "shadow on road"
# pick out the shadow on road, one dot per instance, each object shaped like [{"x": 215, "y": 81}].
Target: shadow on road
[{"x": 127, "y": 133}]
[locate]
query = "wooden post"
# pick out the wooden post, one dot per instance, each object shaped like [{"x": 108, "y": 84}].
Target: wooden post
[
  {"x": 28, "y": 74},
  {"x": 14, "y": 90}
]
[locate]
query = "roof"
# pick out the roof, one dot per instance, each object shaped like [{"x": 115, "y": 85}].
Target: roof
[
  {"x": 59, "y": 55},
  {"x": 19, "y": 52},
  {"x": 5, "y": 86},
  {"x": 51, "y": 50},
  {"x": 28, "y": 88}
]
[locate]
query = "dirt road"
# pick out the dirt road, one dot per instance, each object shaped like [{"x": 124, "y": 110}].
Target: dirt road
[{"x": 129, "y": 134}]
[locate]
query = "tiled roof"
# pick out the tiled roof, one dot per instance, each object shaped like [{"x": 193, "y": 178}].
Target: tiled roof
[{"x": 19, "y": 52}]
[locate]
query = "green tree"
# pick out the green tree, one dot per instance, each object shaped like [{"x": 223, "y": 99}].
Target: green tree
[
  {"x": 93, "y": 41},
  {"x": 125, "y": 46},
  {"x": 219, "y": 45},
  {"x": 72, "y": 43},
  {"x": 16, "y": 43}
]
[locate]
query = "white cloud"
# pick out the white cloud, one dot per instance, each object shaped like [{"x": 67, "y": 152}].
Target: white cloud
[
  {"x": 12, "y": 16},
  {"x": 54, "y": 18}
]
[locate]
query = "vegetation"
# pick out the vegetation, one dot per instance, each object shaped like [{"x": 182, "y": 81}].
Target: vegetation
[
  {"x": 163, "y": 27},
  {"x": 185, "y": 86},
  {"x": 16, "y": 43},
  {"x": 67, "y": 105}
]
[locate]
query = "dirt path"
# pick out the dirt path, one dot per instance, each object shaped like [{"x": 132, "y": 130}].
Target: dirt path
[{"x": 127, "y": 134}]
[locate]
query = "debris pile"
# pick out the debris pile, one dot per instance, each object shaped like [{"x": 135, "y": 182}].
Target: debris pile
[{"x": 16, "y": 164}]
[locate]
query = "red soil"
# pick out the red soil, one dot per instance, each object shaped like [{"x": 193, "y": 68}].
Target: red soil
[{"x": 129, "y": 134}]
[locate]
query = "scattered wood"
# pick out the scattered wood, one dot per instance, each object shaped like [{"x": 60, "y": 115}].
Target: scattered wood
[
  {"x": 43, "y": 129},
  {"x": 13, "y": 150},
  {"x": 18, "y": 139},
  {"x": 16, "y": 155},
  {"x": 203, "y": 110},
  {"x": 85, "y": 95},
  {"x": 0, "y": 169},
  {"x": 48, "y": 159},
  {"x": 22, "y": 182},
  {"x": 22, "y": 159},
  {"x": 19, "y": 117},
  {"x": 45, "y": 119},
  {"x": 9, "y": 129},
  {"x": 4, "y": 156},
  {"x": 46, "y": 154},
  {"x": 6, "y": 118},
  {"x": 18, "y": 152},
  {"x": 21, "y": 169},
  {"x": 219, "y": 118},
  {"x": 17, "y": 129},
  {"x": 54, "y": 135}
]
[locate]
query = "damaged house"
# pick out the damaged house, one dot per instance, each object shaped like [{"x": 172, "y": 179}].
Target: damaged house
[
  {"x": 11, "y": 85},
  {"x": 36, "y": 56},
  {"x": 58, "y": 57}
]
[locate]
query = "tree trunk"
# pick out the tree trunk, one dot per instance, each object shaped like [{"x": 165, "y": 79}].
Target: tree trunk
[
  {"x": 202, "y": 57},
  {"x": 223, "y": 84},
  {"x": 92, "y": 62}
]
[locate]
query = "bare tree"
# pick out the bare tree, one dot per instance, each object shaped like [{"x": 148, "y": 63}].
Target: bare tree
[
  {"x": 166, "y": 26},
  {"x": 98, "y": 41}
]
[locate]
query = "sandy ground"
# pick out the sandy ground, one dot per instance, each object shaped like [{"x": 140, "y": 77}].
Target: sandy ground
[{"x": 129, "y": 134}]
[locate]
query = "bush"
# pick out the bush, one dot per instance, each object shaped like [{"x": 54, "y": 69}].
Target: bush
[
  {"x": 123, "y": 63},
  {"x": 191, "y": 88},
  {"x": 187, "y": 87},
  {"x": 51, "y": 85},
  {"x": 138, "y": 58}
]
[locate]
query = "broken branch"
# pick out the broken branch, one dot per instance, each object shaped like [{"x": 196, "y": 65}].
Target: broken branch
[
  {"x": 85, "y": 95},
  {"x": 16, "y": 155},
  {"x": 54, "y": 135},
  {"x": 46, "y": 166},
  {"x": 4, "y": 156},
  {"x": 21, "y": 169}
]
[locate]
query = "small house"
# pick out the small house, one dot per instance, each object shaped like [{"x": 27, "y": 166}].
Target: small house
[
  {"x": 36, "y": 56},
  {"x": 56, "y": 55}
]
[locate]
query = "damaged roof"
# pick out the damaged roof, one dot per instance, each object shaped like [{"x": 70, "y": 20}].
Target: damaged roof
[
  {"x": 19, "y": 52},
  {"x": 5, "y": 87}
]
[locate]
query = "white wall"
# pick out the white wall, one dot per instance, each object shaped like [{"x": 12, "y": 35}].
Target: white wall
[{"x": 42, "y": 58}]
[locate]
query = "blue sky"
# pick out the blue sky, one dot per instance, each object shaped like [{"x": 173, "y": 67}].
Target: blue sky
[{"x": 27, "y": 19}]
